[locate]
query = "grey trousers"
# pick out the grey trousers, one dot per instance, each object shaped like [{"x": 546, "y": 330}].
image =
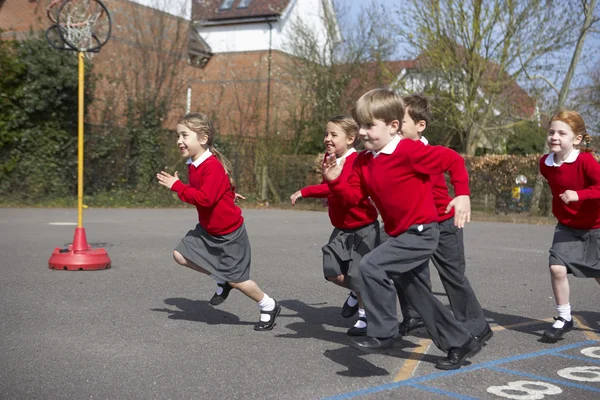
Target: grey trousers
[
  {"x": 449, "y": 259},
  {"x": 404, "y": 259}
]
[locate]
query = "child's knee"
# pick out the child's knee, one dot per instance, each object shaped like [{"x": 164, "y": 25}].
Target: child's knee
[
  {"x": 338, "y": 279},
  {"x": 179, "y": 259},
  {"x": 558, "y": 271}
]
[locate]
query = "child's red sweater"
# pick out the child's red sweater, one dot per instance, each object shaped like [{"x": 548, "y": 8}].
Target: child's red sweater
[
  {"x": 341, "y": 215},
  {"x": 441, "y": 197},
  {"x": 210, "y": 191},
  {"x": 581, "y": 175},
  {"x": 399, "y": 183}
]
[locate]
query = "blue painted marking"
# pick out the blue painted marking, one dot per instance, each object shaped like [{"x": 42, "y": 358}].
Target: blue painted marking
[
  {"x": 414, "y": 381},
  {"x": 444, "y": 392},
  {"x": 551, "y": 380},
  {"x": 579, "y": 358}
]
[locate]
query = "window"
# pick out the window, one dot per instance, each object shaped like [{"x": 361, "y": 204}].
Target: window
[
  {"x": 226, "y": 5},
  {"x": 244, "y": 3}
]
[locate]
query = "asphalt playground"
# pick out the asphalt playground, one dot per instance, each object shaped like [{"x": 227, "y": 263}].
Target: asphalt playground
[{"x": 143, "y": 329}]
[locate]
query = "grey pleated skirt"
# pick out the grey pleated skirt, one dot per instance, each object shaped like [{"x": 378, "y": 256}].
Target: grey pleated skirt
[
  {"x": 345, "y": 249},
  {"x": 227, "y": 257},
  {"x": 578, "y": 250}
]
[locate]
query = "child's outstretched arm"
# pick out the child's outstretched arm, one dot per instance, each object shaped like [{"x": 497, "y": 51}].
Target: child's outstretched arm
[
  {"x": 591, "y": 169},
  {"x": 349, "y": 190}
]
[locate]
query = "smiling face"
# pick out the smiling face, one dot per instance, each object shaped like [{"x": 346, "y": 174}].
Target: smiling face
[
  {"x": 561, "y": 138},
  {"x": 189, "y": 144},
  {"x": 377, "y": 134},
  {"x": 336, "y": 140}
]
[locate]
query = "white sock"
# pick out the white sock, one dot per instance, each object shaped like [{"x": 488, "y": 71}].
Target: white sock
[
  {"x": 564, "y": 311},
  {"x": 219, "y": 283},
  {"x": 266, "y": 304},
  {"x": 360, "y": 323},
  {"x": 352, "y": 300}
]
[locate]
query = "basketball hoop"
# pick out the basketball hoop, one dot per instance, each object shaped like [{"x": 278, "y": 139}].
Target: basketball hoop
[{"x": 79, "y": 25}]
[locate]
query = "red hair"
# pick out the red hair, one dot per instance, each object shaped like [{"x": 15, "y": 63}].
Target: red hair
[{"x": 575, "y": 122}]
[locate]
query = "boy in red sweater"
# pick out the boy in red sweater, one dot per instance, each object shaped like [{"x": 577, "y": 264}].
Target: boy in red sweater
[
  {"x": 356, "y": 229},
  {"x": 395, "y": 173},
  {"x": 449, "y": 256}
]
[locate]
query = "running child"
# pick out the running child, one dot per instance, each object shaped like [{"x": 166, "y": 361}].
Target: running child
[
  {"x": 395, "y": 174},
  {"x": 219, "y": 244},
  {"x": 449, "y": 256},
  {"x": 574, "y": 179},
  {"x": 356, "y": 228}
]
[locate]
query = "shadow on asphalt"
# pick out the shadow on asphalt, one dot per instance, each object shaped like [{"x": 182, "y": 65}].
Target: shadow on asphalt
[{"x": 200, "y": 311}]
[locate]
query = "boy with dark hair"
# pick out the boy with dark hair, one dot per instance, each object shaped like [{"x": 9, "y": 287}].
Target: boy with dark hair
[{"x": 449, "y": 256}]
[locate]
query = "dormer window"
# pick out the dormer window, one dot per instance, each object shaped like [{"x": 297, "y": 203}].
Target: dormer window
[
  {"x": 226, "y": 5},
  {"x": 244, "y": 3}
]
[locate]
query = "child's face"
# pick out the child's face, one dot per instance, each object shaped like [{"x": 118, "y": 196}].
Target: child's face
[
  {"x": 410, "y": 129},
  {"x": 561, "y": 138},
  {"x": 336, "y": 141},
  {"x": 188, "y": 142},
  {"x": 378, "y": 134}
]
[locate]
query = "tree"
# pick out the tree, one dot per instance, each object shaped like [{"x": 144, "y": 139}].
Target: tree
[
  {"x": 588, "y": 8},
  {"x": 472, "y": 52}
]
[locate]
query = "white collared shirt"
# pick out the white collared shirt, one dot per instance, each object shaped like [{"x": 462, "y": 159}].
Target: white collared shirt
[
  {"x": 572, "y": 157},
  {"x": 388, "y": 148},
  {"x": 346, "y": 154},
  {"x": 200, "y": 159},
  {"x": 425, "y": 141}
]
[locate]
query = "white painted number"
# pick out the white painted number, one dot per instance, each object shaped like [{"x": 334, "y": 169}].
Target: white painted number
[
  {"x": 582, "y": 374},
  {"x": 593, "y": 352},
  {"x": 521, "y": 390}
]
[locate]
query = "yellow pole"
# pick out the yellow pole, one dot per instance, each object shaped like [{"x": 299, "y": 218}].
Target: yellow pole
[{"x": 80, "y": 145}]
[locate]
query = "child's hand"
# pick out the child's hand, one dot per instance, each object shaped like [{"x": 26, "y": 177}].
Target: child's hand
[
  {"x": 296, "y": 196},
  {"x": 166, "y": 179},
  {"x": 569, "y": 196},
  {"x": 462, "y": 210},
  {"x": 238, "y": 196},
  {"x": 331, "y": 170},
  {"x": 325, "y": 203}
]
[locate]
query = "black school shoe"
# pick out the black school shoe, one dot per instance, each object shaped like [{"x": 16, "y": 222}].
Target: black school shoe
[
  {"x": 348, "y": 311},
  {"x": 371, "y": 344},
  {"x": 409, "y": 324},
  {"x": 220, "y": 298},
  {"x": 457, "y": 356},
  {"x": 553, "y": 335},
  {"x": 354, "y": 331},
  {"x": 485, "y": 335},
  {"x": 267, "y": 326}
]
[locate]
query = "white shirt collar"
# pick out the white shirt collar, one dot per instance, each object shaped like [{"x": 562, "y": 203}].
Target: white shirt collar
[
  {"x": 200, "y": 159},
  {"x": 572, "y": 157},
  {"x": 388, "y": 148},
  {"x": 346, "y": 154},
  {"x": 425, "y": 141}
]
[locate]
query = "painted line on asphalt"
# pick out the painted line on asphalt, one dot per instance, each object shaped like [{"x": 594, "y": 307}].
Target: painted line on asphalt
[
  {"x": 546, "y": 379},
  {"x": 410, "y": 365},
  {"x": 589, "y": 332},
  {"x": 413, "y": 382},
  {"x": 62, "y": 223}
]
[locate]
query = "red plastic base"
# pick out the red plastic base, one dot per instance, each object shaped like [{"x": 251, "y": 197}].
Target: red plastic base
[{"x": 79, "y": 256}]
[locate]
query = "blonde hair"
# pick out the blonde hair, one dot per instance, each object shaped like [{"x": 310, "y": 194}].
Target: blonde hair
[
  {"x": 348, "y": 125},
  {"x": 202, "y": 126},
  {"x": 381, "y": 103},
  {"x": 577, "y": 125}
]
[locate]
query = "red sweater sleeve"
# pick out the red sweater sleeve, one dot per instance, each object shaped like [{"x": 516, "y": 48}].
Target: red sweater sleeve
[
  {"x": 350, "y": 191},
  {"x": 211, "y": 188},
  {"x": 434, "y": 160},
  {"x": 591, "y": 169},
  {"x": 321, "y": 190}
]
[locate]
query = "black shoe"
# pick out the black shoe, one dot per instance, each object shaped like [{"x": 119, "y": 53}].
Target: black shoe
[
  {"x": 553, "y": 335},
  {"x": 485, "y": 335},
  {"x": 409, "y": 324},
  {"x": 267, "y": 326},
  {"x": 354, "y": 331},
  {"x": 220, "y": 298},
  {"x": 371, "y": 344},
  {"x": 458, "y": 355},
  {"x": 348, "y": 311}
]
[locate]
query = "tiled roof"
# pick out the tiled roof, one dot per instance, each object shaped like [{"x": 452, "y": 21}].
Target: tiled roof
[{"x": 211, "y": 10}]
